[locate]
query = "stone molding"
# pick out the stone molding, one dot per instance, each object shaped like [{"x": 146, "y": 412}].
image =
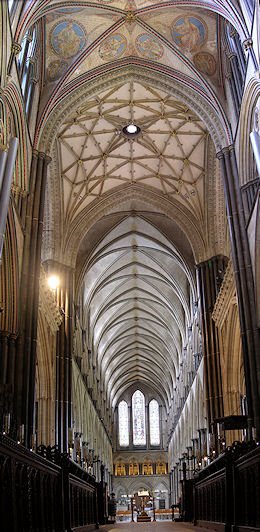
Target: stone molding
[{"x": 226, "y": 297}]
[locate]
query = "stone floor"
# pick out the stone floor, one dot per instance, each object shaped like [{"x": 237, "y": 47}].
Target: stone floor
[{"x": 162, "y": 526}]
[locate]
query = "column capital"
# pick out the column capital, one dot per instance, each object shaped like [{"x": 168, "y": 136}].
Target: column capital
[
  {"x": 247, "y": 43},
  {"x": 15, "y": 48},
  {"x": 224, "y": 151},
  {"x": 42, "y": 155}
]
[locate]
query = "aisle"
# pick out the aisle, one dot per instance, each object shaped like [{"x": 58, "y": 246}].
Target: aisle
[{"x": 159, "y": 526}]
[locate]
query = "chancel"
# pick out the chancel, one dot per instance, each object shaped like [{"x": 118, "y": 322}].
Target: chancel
[{"x": 129, "y": 265}]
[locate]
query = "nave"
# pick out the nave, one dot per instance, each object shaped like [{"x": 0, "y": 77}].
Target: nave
[{"x": 129, "y": 264}]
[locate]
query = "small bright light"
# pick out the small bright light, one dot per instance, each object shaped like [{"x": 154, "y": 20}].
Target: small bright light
[
  {"x": 131, "y": 128},
  {"x": 53, "y": 282}
]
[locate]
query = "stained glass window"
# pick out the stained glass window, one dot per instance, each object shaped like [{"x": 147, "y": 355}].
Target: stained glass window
[
  {"x": 154, "y": 423},
  {"x": 138, "y": 409},
  {"x": 123, "y": 424}
]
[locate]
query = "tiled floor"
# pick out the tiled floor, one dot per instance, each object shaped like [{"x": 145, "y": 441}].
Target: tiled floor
[{"x": 162, "y": 526}]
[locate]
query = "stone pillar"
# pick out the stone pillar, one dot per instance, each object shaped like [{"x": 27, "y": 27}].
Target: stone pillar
[
  {"x": 25, "y": 365},
  {"x": 64, "y": 348},
  {"x": 244, "y": 286},
  {"x": 210, "y": 275}
]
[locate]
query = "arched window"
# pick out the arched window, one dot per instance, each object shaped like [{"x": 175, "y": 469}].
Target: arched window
[
  {"x": 138, "y": 409},
  {"x": 123, "y": 424},
  {"x": 154, "y": 423}
]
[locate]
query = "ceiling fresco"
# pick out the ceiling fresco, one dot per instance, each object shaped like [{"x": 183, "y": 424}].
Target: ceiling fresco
[{"x": 86, "y": 38}]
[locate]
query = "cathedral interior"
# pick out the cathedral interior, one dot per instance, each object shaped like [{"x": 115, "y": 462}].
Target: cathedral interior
[{"x": 129, "y": 263}]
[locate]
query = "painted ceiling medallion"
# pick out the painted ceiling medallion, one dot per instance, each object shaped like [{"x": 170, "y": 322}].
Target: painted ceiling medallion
[
  {"x": 68, "y": 38},
  {"x": 205, "y": 63},
  {"x": 149, "y": 47},
  {"x": 189, "y": 33},
  {"x": 56, "y": 69},
  {"x": 113, "y": 47}
]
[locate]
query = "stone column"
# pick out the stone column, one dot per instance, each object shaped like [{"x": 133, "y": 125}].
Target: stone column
[
  {"x": 25, "y": 365},
  {"x": 244, "y": 285},
  {"x": 210, "y": 275},
  {"x": 64, "y": 348}
]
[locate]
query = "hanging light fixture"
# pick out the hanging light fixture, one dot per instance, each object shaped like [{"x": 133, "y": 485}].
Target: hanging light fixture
[{"x": 131, "y": 130}]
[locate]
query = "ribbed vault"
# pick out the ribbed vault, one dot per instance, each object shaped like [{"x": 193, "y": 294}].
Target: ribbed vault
[
  {"x": 130, "y": 215},
  {"x": 137, "y": 299}
]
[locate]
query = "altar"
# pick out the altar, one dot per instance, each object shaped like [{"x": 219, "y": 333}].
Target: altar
[{"x": 142, "y": 502}]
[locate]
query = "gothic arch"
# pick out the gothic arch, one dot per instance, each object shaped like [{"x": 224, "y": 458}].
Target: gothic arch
[
  {"x": 9, "y": 278},
  {"x": 11, "y": 106},
  {"x": 250, "y": 99},
  {"x": 184, "y": 89}
]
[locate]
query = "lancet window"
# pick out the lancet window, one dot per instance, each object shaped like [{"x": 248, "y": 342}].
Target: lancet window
[
  {"x": 138, "y": 408},
  {"x": 123, "y": 424},
  {"x": 154, "y": 422},
  {"x": 139, "y": 423}
]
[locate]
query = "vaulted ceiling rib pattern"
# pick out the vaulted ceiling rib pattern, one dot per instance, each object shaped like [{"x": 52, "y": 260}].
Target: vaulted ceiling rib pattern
[
  {"x": 138, "y": 289},
  {"x": 137, "y": 298},
  {"x": 168, "y": 155}
]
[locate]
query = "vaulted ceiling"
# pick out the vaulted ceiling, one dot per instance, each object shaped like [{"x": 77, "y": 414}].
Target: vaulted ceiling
[
  {"x": 167, "y": 154},
  {"x": 132, "y": 214}
]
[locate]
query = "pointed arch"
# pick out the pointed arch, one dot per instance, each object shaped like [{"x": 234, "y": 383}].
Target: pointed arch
[
  {"x": 123, "y": 424},
  {"x": 138, "y": 410},
  {"x": 154, "y": 422}
]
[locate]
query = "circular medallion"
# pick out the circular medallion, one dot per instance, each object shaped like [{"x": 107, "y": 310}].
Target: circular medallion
[
  {"x": 189, "y": 33},
  {"x": 56, "y": 69},
  {"x": 149, "y": 47},
  {"x": 113, "y": 47},
  {"x": 68, "y": 38},
  {"x": 205, "y": 63}
]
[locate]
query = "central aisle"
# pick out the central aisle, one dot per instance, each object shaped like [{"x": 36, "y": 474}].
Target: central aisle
[{"x": 159, "y": 526}]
